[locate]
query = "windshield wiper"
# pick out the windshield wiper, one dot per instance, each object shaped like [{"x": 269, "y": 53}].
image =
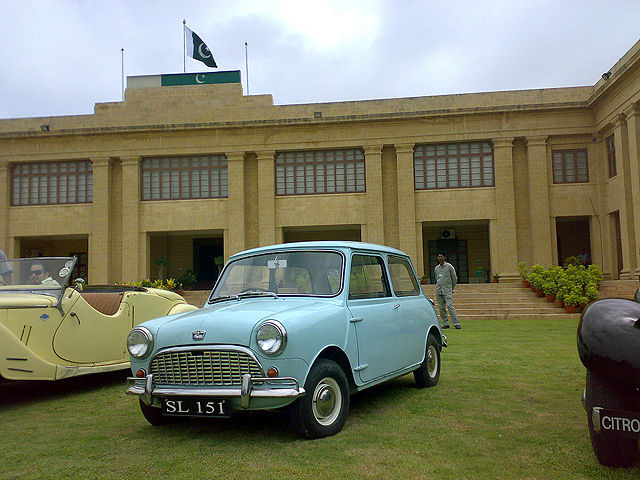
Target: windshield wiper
[
  {"x": 252, "y": 292},
  {"x": 223, "y": 298}
]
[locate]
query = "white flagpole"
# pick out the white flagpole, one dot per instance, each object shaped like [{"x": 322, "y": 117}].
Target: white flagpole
[
  {"x": 122, "y": 52},
  {"x": 246, "y": 64},
  {"x": 184, "y": 47}
]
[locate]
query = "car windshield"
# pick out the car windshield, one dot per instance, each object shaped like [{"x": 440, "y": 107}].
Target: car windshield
[
  {"x": 301, "y": 273},
  {"x": 39, "y": 275}
]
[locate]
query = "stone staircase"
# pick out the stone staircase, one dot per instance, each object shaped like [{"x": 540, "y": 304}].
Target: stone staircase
[
  {"x": 477, "y": 301},
  {"x": 511, "y": 300}
]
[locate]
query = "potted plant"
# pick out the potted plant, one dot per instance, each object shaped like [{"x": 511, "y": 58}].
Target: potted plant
[
  {"x": 162, "y": 262},
  {"x": 575, "y": 299},
  {"x": 535, "y": 278},
  {"x": 559, "y": 298},
  {"x": 424, "y": 279},
  {"x": 591, "y": 292},
  {"x": 524, "y": 273},
  {"x": 550, "y": 289},
  {"x": 495, "y": 278}
]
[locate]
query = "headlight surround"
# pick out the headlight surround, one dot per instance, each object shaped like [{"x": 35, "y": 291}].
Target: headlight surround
[
  {"x": 271, "y": 337},
  {"x": 140, "y": 342}
]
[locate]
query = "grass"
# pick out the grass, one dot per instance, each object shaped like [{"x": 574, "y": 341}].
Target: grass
[{"x": 507, "y": 406}]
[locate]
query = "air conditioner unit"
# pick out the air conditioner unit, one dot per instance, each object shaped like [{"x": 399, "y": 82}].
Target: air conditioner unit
[{"x": 447, "y": 234}]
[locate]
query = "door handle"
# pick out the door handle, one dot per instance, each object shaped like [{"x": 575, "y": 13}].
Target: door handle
[
  {"x": 397, "y": 305},
  {"x": 74, "y": 315}
]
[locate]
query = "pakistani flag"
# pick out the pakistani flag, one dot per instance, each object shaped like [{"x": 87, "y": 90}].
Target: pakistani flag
[{"x": 197, "y": 49}]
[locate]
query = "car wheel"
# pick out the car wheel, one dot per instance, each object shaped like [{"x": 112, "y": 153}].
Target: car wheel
[
  {"x": 323, "y": 409},
  {"x": 428, "y": 374},
  {"x": 154, "y": 415},
  {"x": 611, "y": 451}
]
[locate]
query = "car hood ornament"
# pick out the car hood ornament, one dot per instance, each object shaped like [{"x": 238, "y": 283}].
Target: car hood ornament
[{"x": 198, "y": 334}]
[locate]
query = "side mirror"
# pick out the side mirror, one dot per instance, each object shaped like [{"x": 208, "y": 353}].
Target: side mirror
[{"x": 78, "y": 284}]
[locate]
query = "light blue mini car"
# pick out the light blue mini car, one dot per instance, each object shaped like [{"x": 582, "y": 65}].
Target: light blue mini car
[{"x": 299, "y": 325}]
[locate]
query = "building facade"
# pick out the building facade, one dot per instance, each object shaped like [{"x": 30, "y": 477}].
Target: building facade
[{"x": 182, "y": 173}]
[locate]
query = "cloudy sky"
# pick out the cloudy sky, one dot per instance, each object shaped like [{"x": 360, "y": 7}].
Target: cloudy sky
[{"x": 61, "y": 57}]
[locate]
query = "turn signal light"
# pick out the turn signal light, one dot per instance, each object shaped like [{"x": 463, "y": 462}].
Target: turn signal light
[
  {"x": 141, "y": 373},
  {"x": 272, "y": 372}
]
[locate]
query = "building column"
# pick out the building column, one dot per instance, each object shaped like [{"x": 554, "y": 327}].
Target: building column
[
  {"x": 626, "y": 208},
  {"x": 375, "y": 205},
  {"x": 5, "y": 202},
  {"x": 133, "y": 257},
  {"x": 266, "y": 198},
  {"x": 633, "y": 135},
  {"x": 540, "y": 217},
  {"x": 99, "y": 255},
  {"x": 504, "y": 247},
  {"x": 406, "y": 201},
  {"x": 234, "y": 240}
]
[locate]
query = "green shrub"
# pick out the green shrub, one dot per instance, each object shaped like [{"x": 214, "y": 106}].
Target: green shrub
[
  {"x": 550, "y": 287},
  {"x": 575, "y": 296},
  {"x": 594, "y": 274},
  {"x": 523, "y": 270},
  {"x": 536, "y": 277},
  {"x": 591, "y": 291},
  {"x": 188, "y": 278},
  {"x": 169, "y": 284},
  {"x": 572, "y": 261}
]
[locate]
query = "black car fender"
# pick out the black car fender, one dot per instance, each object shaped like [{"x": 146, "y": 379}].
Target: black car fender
[{"x": 609, "y": 339}]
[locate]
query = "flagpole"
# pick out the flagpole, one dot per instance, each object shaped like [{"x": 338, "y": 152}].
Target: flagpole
[
  {"x": 184, "y": 47},
  {"x": 246, "y": 64},
  {"x": 122, "y": 52}
]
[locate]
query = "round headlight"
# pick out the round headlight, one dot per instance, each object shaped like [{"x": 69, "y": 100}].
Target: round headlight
[
  {"x": 140, "y": 342},
  {"x": 271, "y": 337}
]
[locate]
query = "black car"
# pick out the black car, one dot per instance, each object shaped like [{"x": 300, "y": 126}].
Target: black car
[{"x": 609, "y": 347}]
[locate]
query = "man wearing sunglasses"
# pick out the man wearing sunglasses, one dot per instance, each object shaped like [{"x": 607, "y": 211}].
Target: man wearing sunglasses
[{"x": 40, "y": 276}]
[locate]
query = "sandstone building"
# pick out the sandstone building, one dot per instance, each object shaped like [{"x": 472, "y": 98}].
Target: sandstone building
[{"x": 188, "y": 169}]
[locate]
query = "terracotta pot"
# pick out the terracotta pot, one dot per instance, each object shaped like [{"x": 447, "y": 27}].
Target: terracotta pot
[
  {"x": 551, "y": 297},
  {"x": 559, "y": 303},
  {"x": 540, "y": 293},
  {"x": 533, "y": 289},
  {"x": 525, "y": 284},
  {"x": 570, "y": 308}
]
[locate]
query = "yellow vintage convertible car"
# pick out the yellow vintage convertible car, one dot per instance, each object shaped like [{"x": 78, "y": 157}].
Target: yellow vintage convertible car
[{"x": 50, "y": 331}]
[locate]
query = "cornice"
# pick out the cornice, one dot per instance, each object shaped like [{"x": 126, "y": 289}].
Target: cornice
[{"x": 299, "y": 121}]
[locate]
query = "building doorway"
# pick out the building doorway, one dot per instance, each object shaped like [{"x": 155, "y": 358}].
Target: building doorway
[
  {"x": 208, "y": 259},
  {"x": 456, "y": 253},
  {"x": 574, "y": 239}
]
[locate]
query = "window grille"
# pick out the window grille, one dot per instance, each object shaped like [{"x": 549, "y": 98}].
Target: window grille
[
  {"x": 183, "y": 178},
  {"x": 50, "y": 183},
  {"x": 453, "y": 165},
  {"x": 320, "y": 171},
  {"x": 570, "y": 166}
]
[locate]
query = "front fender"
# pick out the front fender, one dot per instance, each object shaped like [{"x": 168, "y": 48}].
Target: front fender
[{"x": 609, "y": 339}]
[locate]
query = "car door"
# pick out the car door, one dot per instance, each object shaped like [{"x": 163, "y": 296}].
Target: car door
[
  {"x": 411, "y": 315},
  {"x": 374, "y": 313},
  {"x": 89, "y": 336}
]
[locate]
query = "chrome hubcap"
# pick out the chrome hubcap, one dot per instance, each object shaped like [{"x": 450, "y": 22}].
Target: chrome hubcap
[
  {"x": 432, "y": 361},
  {"x": 326, "y": 401}
]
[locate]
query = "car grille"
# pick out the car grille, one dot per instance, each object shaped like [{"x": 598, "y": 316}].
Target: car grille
[{"x": 203, "y": 367}]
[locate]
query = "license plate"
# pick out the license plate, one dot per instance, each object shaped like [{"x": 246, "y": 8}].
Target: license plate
[
  {"x": 196, "y": 407},
  {"x": 617, "y": 423}
]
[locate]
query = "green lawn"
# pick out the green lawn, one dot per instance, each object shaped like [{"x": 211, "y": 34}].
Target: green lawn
[{"x": 507, "y": 406}]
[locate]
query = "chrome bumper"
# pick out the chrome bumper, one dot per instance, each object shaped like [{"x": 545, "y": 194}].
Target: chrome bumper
[{"x": 144, "y": 388}]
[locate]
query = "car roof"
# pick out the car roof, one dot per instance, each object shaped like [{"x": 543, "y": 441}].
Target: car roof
[{"x": 324, "y": 245}]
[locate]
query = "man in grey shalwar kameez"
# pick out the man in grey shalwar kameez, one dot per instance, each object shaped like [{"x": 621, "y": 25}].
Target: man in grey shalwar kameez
[{"x": 446, "y": 280}]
